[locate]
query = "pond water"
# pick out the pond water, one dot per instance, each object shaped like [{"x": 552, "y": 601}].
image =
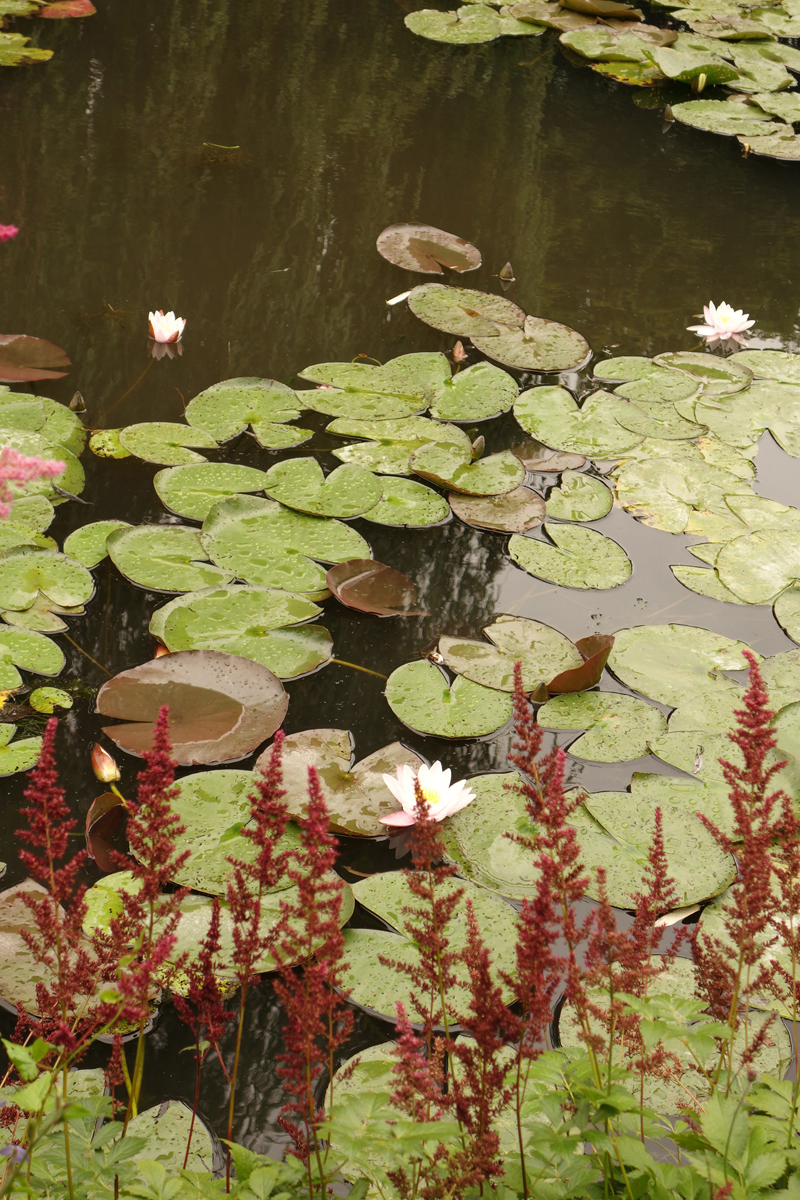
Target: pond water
[{"x": 235, "y": 163}]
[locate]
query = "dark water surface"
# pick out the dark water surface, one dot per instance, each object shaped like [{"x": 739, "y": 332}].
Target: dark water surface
[{"x": 346, "y": 123}]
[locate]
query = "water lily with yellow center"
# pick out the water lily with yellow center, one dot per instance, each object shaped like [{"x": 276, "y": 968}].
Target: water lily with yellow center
[
  {"x": 165, "y": 327},
  {"x": 723, "y": 324},
  {"x": 443, "y": 798}
]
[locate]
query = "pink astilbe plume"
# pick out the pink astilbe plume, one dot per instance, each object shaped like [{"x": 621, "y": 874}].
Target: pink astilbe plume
[
  {"x": 318, "y": 1022},
  {"x": 7, "y": 232},
  {"x": 733, "y": 969},
  {"x": 22, "y": 468}
]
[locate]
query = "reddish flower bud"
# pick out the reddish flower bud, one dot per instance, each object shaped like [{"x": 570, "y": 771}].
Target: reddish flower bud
[
  {"x": 104, "y": 767},
  {"x": 160, "y": 650}
]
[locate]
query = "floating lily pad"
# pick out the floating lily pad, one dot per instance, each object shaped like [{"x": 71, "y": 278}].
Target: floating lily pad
[
  {"x": 553, "y": 416},
  {"x": 401, "y": 387},
  {"x": 787, "y": 611},
  {"x": 579, "y": 498},
  {"x": 38, "y": 414},
  {"x": 686, "y": 65},
  {"x": 542, "y": 652},
  {"x": 705, "y": 583},
  {"x": 424, "y": 248},
  {"x": 226, "y": 409},
  {"x": 581, "y": 558},
  {"x": 597, "y": 42},
  {"x": 24, "y": 576},
  {"x": 551, "y": 15},
  {"x": 480, "y": 392},
  {"x": 471, "y": 23},
  {"x": 462, "y": 311},
  {"x": 20, "y": 755},
  {"x": 619, "y": 727},
  {"x": 247, "y": 621},
  {"x": 479, "y": 837},
  {"x": 356, "y": 796},
  {"x": 623, "y": 369},
  {"x": 35, "y": 444},
  {"x": 392, "y": 443},
  {"x": 540, "y": 345},
  {"x": 192, "y": 491},
  {"x": 404, "y": 503},
  {"x": 774, "y": 145},
  {"x": 718, "y": 116},
  {"x": 14, "y": 49},
  {"x": 105, "y": 443},
  {"x": 48, "y": 699},
  {"x": 670, "y": 663},
  {"x": 43, "y": 615},
  {"x": 770, "y": 364},
  {"x": 535, "y": 456},
  {"x": 595, "y": 651},
  {"x": 664, "y": 491},
  {"x": 23, "y": 358},
  {"x": 758, "y": 566},
  {"x": 221, "y": 706},
  {"x": 514, "y": 512},
  {"x": 32, "y": 513},
  {"x": 692, "y": 795},
  {"x": 165, "y": 443},
  {"x": 372, "y": 587},
  {"x": 87, "y": 545},
  {"x": 299, "y": 483},
  {"x": 164, "y": 558},
  {"x": 419, "y": 695},
  {"x": 165, "y": 1129},
  {"x": 450, "y": 466},
  {"x": 659, "y": 386}
]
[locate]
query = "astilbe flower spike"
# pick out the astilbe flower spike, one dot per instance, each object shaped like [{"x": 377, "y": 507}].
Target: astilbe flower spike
[
  {"x": 7, "y": 232},
  {"x": 734, "y": 968},
  {"x": 16, "y": 467}
]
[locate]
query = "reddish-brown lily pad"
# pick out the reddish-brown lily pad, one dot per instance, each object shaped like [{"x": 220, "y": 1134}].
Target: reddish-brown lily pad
[
  {"x": 535, "y": 456},
  {"x": 426, "y": 249},
  {"x": 595, "y": 650},
  {"x": 372, "y": 587},
  {"x": 221, "y": 706},
  {"x": 102, "y": 822},
  {"x": 68, "y": 8},
  {"x": 25, "y": 359}
]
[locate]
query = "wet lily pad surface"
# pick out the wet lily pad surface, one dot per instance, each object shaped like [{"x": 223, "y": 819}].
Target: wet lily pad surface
[
  {"x": 427, "y": 249},
  {"x": 420, "y": 696}
]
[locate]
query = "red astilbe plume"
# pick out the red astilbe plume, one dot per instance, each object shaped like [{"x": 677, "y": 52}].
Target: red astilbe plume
[
  {"x": 202, "y": 1008},
  {"x": 637, "y": 965},
  {"x": 785, "y": 921},
  {"x": 252, "y": 880},
  {"x": 318, "y": 1022},
  {"x": 733, "y": 968}
]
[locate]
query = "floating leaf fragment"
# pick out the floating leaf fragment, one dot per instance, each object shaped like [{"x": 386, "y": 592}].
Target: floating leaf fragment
[
  {"x": 23, "y": 358},
  {"x": 514, "y": 512}
]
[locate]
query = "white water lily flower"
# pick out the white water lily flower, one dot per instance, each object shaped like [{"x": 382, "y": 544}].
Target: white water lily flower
[
  {"x": 165, "y": 327},
  {"x": 723, "y": 324},
  {"x": 443, "y": 798}
]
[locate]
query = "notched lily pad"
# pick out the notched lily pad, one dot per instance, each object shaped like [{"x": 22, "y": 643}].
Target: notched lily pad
[
  {"x": 24, "y": 358},
  {"x": 581, "y": 558},
  {"x": 540, "y": 345},
  {"x": 553, "y": 416},
  {"x": 477, "y": 394},
  {"x": 405, "y": 503},
  {"x": 450, "y": 466},
  {"x": 464, "y": 312},
  {"x": 87, "y": 545},
  {"x": 417, "y": 247},
  {"x": 619, "y": 727},
  {"x": 514, "y": 512},
  {"x": 163, "y": 558},
  {"x": 420, "y": 696},
  {"x": 299, "y": 483},
  {"x": 670, "y": 663},
  {"x": 19, "y": 755},
  {"x": 165, "y": 443},
  {"x": 228, "y": 408},
  {"x": 372, "y": 587},
  {"x": 543, "y": 652},
  {"x": 193, "y": 490},
  {"x": 221, "y": 706},
  {"x": 26, "y": 576},
  {"x": 579, "y": 498}
]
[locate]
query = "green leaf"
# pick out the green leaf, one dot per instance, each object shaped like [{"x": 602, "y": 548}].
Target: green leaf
[
  {"x": 515, "y": 512},
  {"x": 686, "y": 65},
  {"x": 543, "y": 653},
  {"x": 227, "y": 408},
  {"x": 165, "y": 1129},
  {"x": 464, "y": 311},
  {"x": 672, "y": 663},
  {"x": 480, "y": 392},
  {"x": 705, "y": 583},
  {"x": 299, "y": 483},
  {"x": 581, "y": 558},
  {"x": 20, "y": 755},
  {"x": 553, "y": 416},
  {"x": 14, "y": 49},
  {"x": 540, "y": 345},
  {"x": 579, "y": 497},
  {"x": 394, "y": 441},
  {"x": 192, "y": 491},
  {"x": 105, "y": 443},
  {"x": 47, "y": 699},
  {"x": 28, "y": 650},
  {"x": 619, "y": 727},
  {"x": 450, "y": 466},
  {"x": 164, "y": 558},
  {"x": 718, "y": 116},
  {"x": 759, "y": 566},
  {"x": 419, "y": 696},
  {"x": 663, "y": 492},
  {"x": 469, "y": 24},
  {"x": 405, "y": 503},
  {"x": 780, "y": 365},
  {"x": 165, "y": 443},
  {"x": 424, "y": 248},
  {"x": 87, "y": 545},
  {"x": 787, "y": 611},
  {"x": 479, "y": 838},
  {"x": 24, "y": 576},
  {"x": 401, "y": 387}
]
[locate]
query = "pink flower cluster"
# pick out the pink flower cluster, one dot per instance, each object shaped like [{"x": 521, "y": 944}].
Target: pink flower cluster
[
  {"x": 22, "y": 468},
  {"x": 7, "y": 232}
]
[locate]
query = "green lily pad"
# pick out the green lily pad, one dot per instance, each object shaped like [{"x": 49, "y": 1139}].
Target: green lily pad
[
  {"x": 718, "y": 116},
  {"x": 299, "y": 483},
  {"x": 38, "y": 414},
  {"x": 664, "y": 491},
  {"x": 392, "y": 443},
  {"x": 250, "y": 622},
  {"x": 599, "y": 42},
  {"x": 48, "y": 699},
  {"x": 215, "y": 806},
  {"x": 105, "y": 443},
  {"x": 759, "y": 566},
  {"x": 22, "y": 754},
  {"x": 543, "y": 653},
  {"x": 653, "y": 419},
  {"x": 775, "y": 145},
  {"x": 192, "y": 491},
  {"x": 356, "y": 796},
  {"x": 43, "y": 615},
  {"x": 464, "y": 311},
  {"x": 623, "y": 369},
  {"x": 87, "y": 545},
  {"x": 659, "y": 386},
  {"x": 469, "y": 24},
  {"x": 14, "y": 49},
  {"x": 787, "y": 611},
  {"x": 450, "y": 466},
  {"x": 24, "y": 576},
  {"x": 164, "y": 558},
  {"x": 619, "y": 727},
  {"x": 419, "y": 695},
  {"x": 405, "y": 503},
  {"x": 540, "y": 345},
  {"x": 615, "y": 832},
  {"x": 692, "y": 795},
  {"x": 780, "y": 365},
  {"x": 226, "y": 409},
  {"x": 705, "y": 583},
  {"x": 671, "y": 663},
  {"x": 637, "y": 74},
  {"x": 581, "y": 558},
  {"x": 477, "y": 838},
  {"x": 34, "y": 444},
  {"x": 756, "y": 73},
  {"x": 514, "y": 512},
  {"x": 401, "y": 387},
  {"x": 579, "y": 498},
  {"x": 165, "y": 443},
  {"x": 480, "y": 392},
  {"x": 686, "y": 65},
  {"x": 33, "y": 513},
  {"x": 243, "y": 531},
  {"x": 165, "y": 1129},
  {"x": 553, "y": 416},
  {"x": 14, "y": 538}
]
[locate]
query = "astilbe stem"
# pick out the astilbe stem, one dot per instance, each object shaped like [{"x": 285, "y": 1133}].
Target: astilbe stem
[
  {"x": 318, "y": 1022},
  {"x": 251, "y": 880},
  {"x": 734, "y": 968}
]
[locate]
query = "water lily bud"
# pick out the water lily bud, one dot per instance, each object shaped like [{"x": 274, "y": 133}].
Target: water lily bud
[
  {"x": 77, "y": 403},
  {"x": 104, "y": 767},
  {"x": 160, "y": 650},
  {"x": 459, "y": 353}
]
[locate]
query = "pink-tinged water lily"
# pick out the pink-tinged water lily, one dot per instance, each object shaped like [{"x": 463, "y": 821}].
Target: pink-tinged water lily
[
  {"x": 723, "y": 324},
  {"x": 166, "y": 327},
  {"x": 443, "y": 798},
  {"x": 7, "y": 232}
]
